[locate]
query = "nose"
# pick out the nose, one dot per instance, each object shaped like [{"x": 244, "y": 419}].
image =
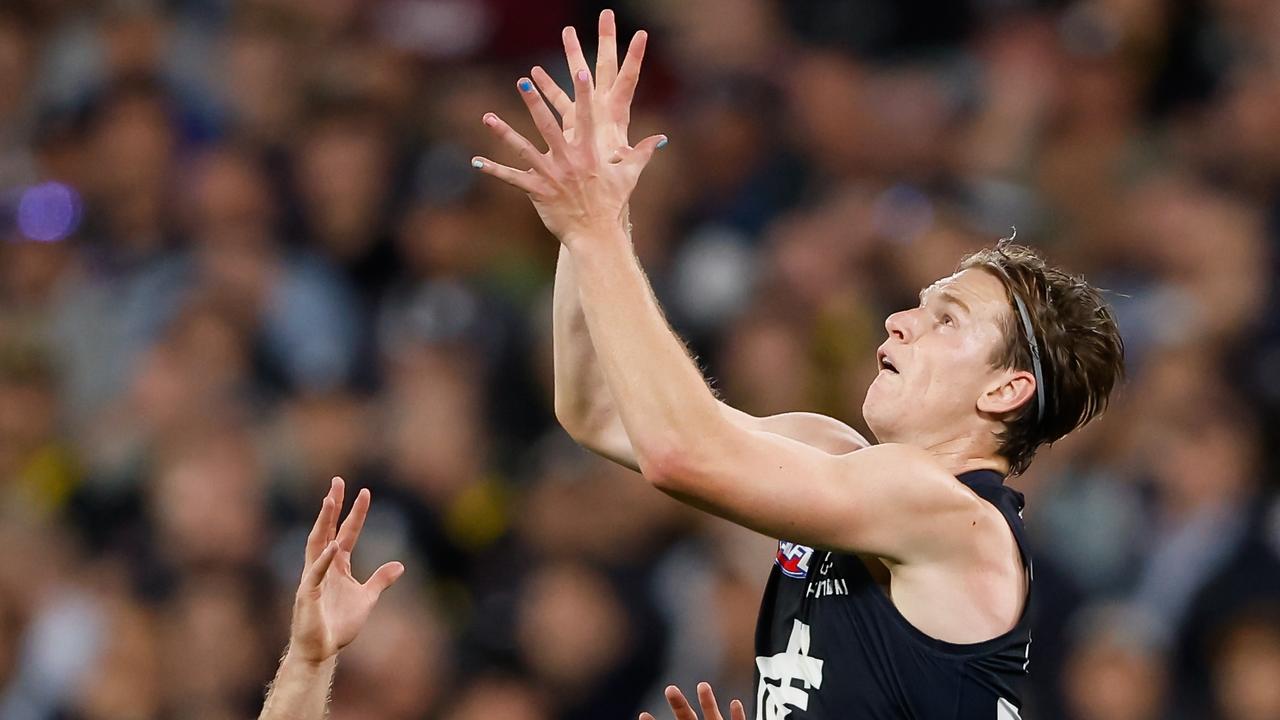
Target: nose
[{"x": 898, "y": 325}]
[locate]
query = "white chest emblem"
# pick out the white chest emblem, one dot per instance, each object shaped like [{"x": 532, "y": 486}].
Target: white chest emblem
[{"x": 795, "y": 665}]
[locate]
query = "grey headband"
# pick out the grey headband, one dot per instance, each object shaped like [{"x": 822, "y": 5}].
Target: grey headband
[
  {"x": 1026, "y": 326},
  {"x": 1035, "y": 352}
]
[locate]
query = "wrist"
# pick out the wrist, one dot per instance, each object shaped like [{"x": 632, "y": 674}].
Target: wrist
[
  {"x": 307, "y": 662},
  {"x": 593, "y": 236}
]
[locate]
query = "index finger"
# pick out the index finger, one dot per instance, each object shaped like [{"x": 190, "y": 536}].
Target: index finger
[
  {"x": 322, "y": 529},
  {"x": 679, "y": 706},
  {"x": 607, "y": 51}
]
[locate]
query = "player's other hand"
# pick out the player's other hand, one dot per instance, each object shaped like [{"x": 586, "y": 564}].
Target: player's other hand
[
  {"x": 682, "y": 710},
  {"x": 582, "y": 183},
  {"x": 331, "y": 606}
]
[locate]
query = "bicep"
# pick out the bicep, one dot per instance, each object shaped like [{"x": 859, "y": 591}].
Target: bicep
[
  {"x": 817, "y": 431},
  {"x": 885, "y": 500}
]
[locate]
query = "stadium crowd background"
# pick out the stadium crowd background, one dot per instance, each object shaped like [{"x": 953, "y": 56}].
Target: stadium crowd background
[{"x": 243, "y": 251}]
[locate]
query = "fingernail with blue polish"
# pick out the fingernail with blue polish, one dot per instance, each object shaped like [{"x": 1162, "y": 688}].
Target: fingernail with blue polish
[
  {"x": 525, "y": 86},
  {"x": 662, "y": 143},
  {"x": 477, "y": 163}
]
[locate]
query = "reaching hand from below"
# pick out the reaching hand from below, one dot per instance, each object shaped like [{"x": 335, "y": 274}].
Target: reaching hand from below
[
  {"x": 331, "y": 606},
  {"x": 682, "y": 710}
]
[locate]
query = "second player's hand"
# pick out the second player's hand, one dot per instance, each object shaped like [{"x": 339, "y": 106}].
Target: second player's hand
[
  {"x": 331, "y": 605},
  {"x": 682, "y": 710}
]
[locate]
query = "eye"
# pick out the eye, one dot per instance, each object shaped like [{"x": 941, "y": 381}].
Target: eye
[{"x": 947, "y": 320}]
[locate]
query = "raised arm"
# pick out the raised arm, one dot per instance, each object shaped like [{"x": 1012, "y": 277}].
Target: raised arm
[
  {"x": 583, "y": 403},
  {"x": 892, "y": 501},
  {"x": 585, "y": 407},
  {"x": 329, "y": 610}
]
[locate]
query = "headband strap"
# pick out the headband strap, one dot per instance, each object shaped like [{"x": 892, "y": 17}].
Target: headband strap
[{"x": 1035, "y": 351}]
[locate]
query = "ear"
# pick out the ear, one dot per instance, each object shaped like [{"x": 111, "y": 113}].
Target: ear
[{"x": 1013, "y": 390}]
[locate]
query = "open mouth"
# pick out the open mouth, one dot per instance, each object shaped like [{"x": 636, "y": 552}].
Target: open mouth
[{"x": 887, "y": 365}]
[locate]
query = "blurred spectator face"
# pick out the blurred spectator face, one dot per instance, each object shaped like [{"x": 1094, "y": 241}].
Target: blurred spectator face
[
  {"x": 213, "y": 654},
  {"x": 572, "y": 629},
  {"x": 207, "y": 502},
  {"x": 230, "y": 197},
  {"x": 342, "y": 174},
  {"x": 437, "y": 427},
  {"x": 15, "y": 58},
  {"x": 125, "y": 679},
  {"x": 586, "y": 507},
  {"x": 1113, "y": 675},
  {"x": 231, "y": 222},
  {"x": 263, "y": 83},
  {"x": 134, "y": 143},
  {"x": 328, "y": 433},
  {"x": 134, "y": 39},
  {"x": 827, "y": 104},
  {"x": 499, "y": 698},
  {"x": 1246, "y": 669},
  {"x": 766, "y": 365},
  {"x": 28, "y": 415},
  {"x": 1203, "y": 457},
  {"x": 132, "y": 153},
  {"x": 397, "y": 668},
  {"x": 443, "y": 240}
]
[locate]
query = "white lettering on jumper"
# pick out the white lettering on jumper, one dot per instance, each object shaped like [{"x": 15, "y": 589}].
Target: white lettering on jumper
[
  {"x": 826, "y": 588},
  {"x": 795, "y": 664}
]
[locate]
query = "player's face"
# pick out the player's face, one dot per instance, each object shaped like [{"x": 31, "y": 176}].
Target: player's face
[{"x": 936, "y": 363}]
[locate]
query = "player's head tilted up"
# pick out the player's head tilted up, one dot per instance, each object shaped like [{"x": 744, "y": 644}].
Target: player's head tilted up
[{"x": 1006, "y": 355}]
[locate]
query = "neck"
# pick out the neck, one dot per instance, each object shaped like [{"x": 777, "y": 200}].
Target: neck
[{"x": 965, "y": 454}]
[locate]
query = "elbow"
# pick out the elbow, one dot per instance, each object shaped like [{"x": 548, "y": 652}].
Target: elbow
[
  {"x": 569, "y": 417},
  {"x": 668, "y": 465}
]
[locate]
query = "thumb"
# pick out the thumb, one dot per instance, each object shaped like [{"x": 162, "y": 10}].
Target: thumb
[
  {"x": 384, "y": 577},
  {"x": 643, "y": 151}
]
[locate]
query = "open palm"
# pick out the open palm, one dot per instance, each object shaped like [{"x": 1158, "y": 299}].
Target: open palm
[{"x": 331, "y": 606}]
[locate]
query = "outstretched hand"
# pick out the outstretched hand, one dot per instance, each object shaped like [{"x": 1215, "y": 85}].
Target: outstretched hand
[
  {"x": 331, "y": 606},
  {"x": 583, "y": 182},
  {"x": 682, "y": 710}
]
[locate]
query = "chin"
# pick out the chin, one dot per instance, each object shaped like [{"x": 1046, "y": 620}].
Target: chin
[{"x": 878, "y": 416}]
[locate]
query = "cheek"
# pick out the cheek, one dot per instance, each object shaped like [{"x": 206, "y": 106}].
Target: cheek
[{"x": 959, "y": 368}]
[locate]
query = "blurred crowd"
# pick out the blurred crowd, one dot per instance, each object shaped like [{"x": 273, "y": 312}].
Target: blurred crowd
[{"x": 242, "y": 251}]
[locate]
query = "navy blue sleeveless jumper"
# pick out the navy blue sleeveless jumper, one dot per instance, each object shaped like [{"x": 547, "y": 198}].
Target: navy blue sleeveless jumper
[{"x": 830, "y": 644}]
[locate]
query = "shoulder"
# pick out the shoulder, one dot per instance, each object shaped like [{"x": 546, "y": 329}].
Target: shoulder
[{"x": 920, "y": 489}]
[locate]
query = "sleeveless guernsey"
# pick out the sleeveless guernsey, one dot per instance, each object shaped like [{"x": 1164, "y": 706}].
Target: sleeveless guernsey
[{"x": 830, "y": 644}]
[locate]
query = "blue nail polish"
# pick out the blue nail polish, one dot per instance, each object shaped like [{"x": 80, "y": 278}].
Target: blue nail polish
[
  {"x": 525, "y": 86},
  {"x": 477, "y": 164},
  {"x": 662, "y": 143}
]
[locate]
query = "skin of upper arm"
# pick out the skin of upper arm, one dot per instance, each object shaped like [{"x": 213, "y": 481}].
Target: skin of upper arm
[
  {"x": 817, "y": 431},
  {"x": 892, "y": 501},
  {"x": 610, "y": 441}
]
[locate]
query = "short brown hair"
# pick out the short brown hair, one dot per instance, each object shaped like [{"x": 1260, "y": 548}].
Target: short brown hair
[{"x": 1081, "y": 351}]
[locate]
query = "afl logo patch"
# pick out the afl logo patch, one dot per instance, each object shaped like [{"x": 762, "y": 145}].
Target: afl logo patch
[{"x": 793, "y": 559}]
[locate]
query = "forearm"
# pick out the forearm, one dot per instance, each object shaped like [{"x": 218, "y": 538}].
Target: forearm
[
  {"x": 300, "y": 690},
  {"x": 583, "y": 403},
  {"x": 662, "y": 399}
]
